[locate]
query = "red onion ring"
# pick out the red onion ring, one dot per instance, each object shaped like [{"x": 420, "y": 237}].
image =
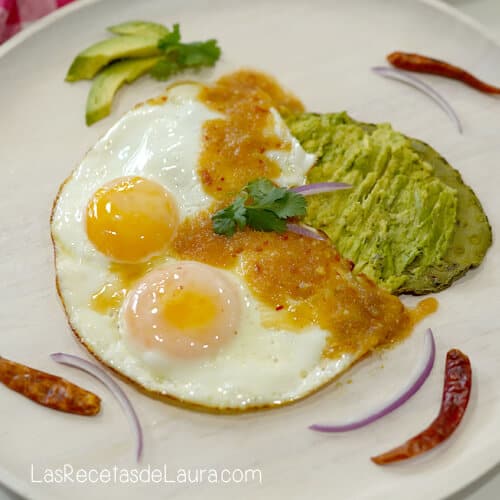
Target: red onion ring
[
  {"x": 306, "y": 231},
  {"x": 320, "y": 187},
  {"x": 412, "y": 388},
  {"x": 114, "y": 388},
  {"x": 402, "y": 76}
]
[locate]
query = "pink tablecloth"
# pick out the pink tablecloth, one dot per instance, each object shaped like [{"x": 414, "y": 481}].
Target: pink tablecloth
[{"x": 16, "y": 14}]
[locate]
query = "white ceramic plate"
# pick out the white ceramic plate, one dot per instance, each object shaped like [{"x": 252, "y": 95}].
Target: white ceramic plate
[{"x": 323, "y": 50}]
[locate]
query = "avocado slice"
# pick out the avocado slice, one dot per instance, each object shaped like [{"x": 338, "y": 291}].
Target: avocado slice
[
  {"x": 88, "y": 63},
  {"x": 145, "y": 28},
  {"x": 109, "y": 80},
  {"x": 410, "y": 222}
]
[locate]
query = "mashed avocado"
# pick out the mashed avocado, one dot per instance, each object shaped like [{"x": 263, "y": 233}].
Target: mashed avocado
[{"x": 403, "y": 220}]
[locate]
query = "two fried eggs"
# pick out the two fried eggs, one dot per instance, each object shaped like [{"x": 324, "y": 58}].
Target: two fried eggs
[{"x": 178, "y": 327}]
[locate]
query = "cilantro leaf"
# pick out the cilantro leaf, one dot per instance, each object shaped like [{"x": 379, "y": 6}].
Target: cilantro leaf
[
  {"x": 262, "y": 206},
  {"x": 265, "y": 220},
  {"x": 264, "y": 192},
  {"x": 178, "y": 56},
  {"x": 290, "y": 205},
  {"x": 164, "y": 69},
  {"x": 170, "y": 39},
  {"x": 196, "y": 54},
  {"x": 281, "y": 201},
  {"x": 225, "y": 221}
]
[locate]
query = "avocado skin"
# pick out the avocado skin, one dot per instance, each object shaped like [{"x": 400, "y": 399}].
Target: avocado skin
[
  {"x": 470, "y": 236},
  {"x": 471, "y": 239},
  {"x": 109, "y": 80},
  {"x": 145, "y": 28},
  {"x": 88, "y": 63}
]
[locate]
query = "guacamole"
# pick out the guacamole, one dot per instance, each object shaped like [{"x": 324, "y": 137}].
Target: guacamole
[{"x": 405, "y": 222}]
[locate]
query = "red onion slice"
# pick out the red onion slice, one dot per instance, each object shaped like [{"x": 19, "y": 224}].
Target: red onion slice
[
  {"x": 307, "y": 231},
  {"x": 320, "y": 187},
  {"x": 115, "y": 389},
  {"x": 408, "y": 392},
  {"x": 413, "y": 81}
]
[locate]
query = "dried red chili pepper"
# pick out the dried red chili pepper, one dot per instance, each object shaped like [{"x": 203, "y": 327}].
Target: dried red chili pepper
[
  {"x": 424, "y": 64},
  {"x": 456, "y": 392},
  {"x": 48, "y": 390}
]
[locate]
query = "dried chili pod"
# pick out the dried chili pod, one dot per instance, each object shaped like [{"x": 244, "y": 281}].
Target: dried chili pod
[
  {"x": 424, "y": 64},
  {"x": 456, "y": 393},
  {"x": 48, "y": 390}
]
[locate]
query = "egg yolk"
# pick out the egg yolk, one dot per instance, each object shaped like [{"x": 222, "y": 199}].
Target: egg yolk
[
  {"x": 183, "y": 310},
  {"x": 131, "y": 219}
]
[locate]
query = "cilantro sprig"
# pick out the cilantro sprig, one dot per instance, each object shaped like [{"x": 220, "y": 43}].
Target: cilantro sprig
[
  {"x": 138, "y": 48},
  {"x": 178, "y": 56},
  {"x": 262, "y": 206}
]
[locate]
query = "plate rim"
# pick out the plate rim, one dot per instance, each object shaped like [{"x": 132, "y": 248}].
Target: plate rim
[
  {"x": 9, "y": 481},
  {"x": 60, "y": 13}
]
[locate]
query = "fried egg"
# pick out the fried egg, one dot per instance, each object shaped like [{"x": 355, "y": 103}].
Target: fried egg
[{"x": 186, "y": 324}]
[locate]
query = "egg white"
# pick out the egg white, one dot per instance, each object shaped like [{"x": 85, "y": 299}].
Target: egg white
[
  {"x": 258, "y": 367},
  {"x": 261, "y": 366}
]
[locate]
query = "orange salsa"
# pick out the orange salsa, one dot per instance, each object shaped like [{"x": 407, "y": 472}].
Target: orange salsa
[
  {"x": 234, "y": 147},
  {"x": 298, "y": 281}
]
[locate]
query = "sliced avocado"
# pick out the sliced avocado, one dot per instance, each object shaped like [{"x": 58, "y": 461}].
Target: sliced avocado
[
  {"x": 139, "y": 28},
  {"x": 109, "y": 80},
  {"x": 410, "y": 222},
  {"x": 87, "y": 64}
]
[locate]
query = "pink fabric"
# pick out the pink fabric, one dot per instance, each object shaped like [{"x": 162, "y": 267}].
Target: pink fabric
[{"x": 16, "y": 14}]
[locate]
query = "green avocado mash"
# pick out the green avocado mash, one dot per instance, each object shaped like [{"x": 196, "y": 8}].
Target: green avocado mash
[{"x": 402, "y": 221}]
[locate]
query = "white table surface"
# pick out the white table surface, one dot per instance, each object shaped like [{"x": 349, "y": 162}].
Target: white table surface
[{"x": 487, "y": 487}]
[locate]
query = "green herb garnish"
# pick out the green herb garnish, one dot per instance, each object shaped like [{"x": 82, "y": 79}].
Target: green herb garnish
[
  {"x": 140, "y": 47},
  {"x": 179, "y": 56},
  {"x": 262, "y": 206}
]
